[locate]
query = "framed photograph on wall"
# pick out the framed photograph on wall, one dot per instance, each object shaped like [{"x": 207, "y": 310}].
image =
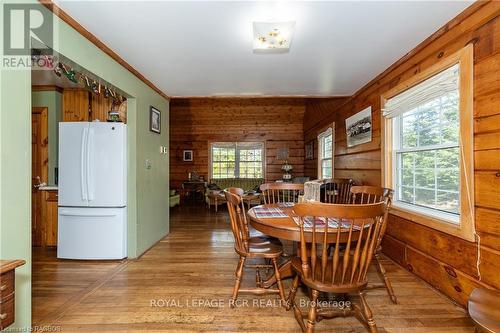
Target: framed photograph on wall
[
  {"x": 154, "y": 120},
  {"x": 309, "y": 153},
  {"x": 187, "y": 155},
  {"x": 282, "y": 153},
  {"x": 359, "y": 127}
]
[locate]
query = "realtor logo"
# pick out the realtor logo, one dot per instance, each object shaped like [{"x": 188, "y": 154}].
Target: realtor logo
[{"x": 26, "y": 26}]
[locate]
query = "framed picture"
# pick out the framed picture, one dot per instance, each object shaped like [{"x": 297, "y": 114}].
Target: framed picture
[
  {"x": 154, "y": 120},
  {"x": 359, "y": 127},
  {"x": 282, "y": 153},
  {"x": 309, "y": 147},
  {"x": 187, "y": 155}
]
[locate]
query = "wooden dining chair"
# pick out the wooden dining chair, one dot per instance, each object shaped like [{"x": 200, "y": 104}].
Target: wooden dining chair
[
  {"x": 336, "y": 191},
  {"x": 345, "y": 271},
  {"x": 281, "y": 192},
  {"x": 254, "y": 236},
  {"x": 374, "y": 194},
  {"x": 247, "y": 248}
]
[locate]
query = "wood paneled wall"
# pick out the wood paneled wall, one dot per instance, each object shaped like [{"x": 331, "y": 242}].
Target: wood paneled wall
[
  {"x": 446, "y": 262},
  {"x": 195, "y": 122},
  {"x": 82, "y": 105}
]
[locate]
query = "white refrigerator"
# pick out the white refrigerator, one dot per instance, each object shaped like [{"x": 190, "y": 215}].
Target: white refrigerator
[{"x": 92, "y": 191}]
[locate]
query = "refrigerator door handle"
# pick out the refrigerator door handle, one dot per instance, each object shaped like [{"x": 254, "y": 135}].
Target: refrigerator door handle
[
  {"x": 82, "y": 164},
  {"x": 63, "y": 213},
  {"x": 90, "y": 152}
]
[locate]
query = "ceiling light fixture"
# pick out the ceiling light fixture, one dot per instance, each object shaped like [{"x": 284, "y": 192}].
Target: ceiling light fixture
[{"x": 272, "y": 37}]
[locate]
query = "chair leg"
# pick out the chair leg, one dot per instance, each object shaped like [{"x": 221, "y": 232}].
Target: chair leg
[
  {"x": 293, "y": 292},
  {"x": 367, "y": 313},
  {"x": 383, "y": 275},
  {"x": 297, "y": 312},
  {"x": 239, "y": 274},
  {"x": 281, "y": 288},
  {"x": 311, "y": 317}
]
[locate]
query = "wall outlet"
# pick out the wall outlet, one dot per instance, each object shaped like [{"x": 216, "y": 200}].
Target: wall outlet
[{"x": 148, "y": 164}]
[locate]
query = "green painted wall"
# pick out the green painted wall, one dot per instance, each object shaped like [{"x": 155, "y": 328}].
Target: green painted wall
[
  {"x": 148, "y": 212},
  {"x": 53, "y": 101}
]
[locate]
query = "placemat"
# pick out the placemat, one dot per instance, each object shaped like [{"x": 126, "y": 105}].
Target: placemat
[
  {"x": 266, "y": 212},
  {"x": 320, "y": 223}
]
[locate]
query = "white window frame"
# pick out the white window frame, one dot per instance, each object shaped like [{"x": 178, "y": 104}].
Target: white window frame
[
  {"x": 463, "y": 225},
  {"x": 238, "y": 146},
  {"x": 328, "y": 131}
]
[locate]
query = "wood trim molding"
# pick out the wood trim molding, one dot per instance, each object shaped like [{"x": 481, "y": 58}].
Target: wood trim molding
[
  {"x": 257, "y": 97},
  {"x": 465, "y": 58},
  {"x": 47, "y": 88},
  {"x": 99, "y": 44}
]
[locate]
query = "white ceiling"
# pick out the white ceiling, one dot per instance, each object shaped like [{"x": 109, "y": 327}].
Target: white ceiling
[{"x": 205, "y": 48}]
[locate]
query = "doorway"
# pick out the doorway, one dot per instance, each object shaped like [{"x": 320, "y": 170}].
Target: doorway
[{"x": 39, "y": 170}]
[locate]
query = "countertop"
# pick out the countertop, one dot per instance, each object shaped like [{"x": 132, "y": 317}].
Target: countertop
[
  {"x": 48, "y": 188},
  {"x": 8, "y": 265}
]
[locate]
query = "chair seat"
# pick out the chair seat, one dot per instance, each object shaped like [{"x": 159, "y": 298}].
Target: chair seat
[
  {"x": 262, "y": 250},
  {"x": 484, "y": 309},
  {"x": 327, "y": 286},
  {"x": 258, "y": 237}
]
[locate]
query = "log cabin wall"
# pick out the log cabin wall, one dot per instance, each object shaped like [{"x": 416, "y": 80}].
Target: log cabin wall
[
  {"x": 448, "y": 263},
  {"x": 195, "y": 122}
]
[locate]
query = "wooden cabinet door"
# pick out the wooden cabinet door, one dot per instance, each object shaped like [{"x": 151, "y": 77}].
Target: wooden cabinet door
[
  {"x": 75, "y": 105},
  {"x": 51, "y": 218}
]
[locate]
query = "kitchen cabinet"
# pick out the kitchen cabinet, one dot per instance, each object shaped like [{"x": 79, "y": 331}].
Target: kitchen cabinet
[{"x": 50, "y": 217}]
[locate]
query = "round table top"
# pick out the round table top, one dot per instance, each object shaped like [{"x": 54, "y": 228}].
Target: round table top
[{"x": 286, "y": 227}]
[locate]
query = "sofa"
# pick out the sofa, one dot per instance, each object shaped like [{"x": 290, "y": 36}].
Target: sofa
[{"x": 217, "y": 185}]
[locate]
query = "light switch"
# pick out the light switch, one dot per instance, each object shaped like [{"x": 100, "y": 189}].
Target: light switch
[{"x": 148, "y": 164}]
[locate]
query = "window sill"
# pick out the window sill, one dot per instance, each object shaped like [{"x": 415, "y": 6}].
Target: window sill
[{"x": 438, "y": 221}]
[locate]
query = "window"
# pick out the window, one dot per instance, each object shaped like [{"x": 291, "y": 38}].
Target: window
[
  {"x": 237, "y": 160},
  {"x": 325, "y": 161},
  {"x": 428, "y": 146}
]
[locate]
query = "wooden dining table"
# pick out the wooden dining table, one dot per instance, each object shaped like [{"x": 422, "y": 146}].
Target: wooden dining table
[{"x": 287, "y": 229}]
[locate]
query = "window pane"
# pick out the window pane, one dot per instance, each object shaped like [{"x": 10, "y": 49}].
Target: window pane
[
  {"x": 425, "y": 178},
  {"x": 326, "y": 168},
  {"x": 448, "y": 201},
  {"x": 327, "y": 146},
  {"x": 406, "y": 194},
  {"x": 424, "y": 159},
  {"x": 424, "y": 197},
  {"x": 410, "y": 130}
]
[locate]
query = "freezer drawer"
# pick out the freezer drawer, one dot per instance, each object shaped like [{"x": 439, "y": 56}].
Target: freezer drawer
[{"x": 92, "y": 233}]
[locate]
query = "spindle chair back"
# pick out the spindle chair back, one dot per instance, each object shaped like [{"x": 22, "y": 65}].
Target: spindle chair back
[
  {"x": 281, "y": 192},
  {"x": 336, "y": 191},
  {"x": 345, "y": 270}
]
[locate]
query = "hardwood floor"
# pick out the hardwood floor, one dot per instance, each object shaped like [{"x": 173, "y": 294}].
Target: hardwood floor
[{"x": 189, "y": 275}]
